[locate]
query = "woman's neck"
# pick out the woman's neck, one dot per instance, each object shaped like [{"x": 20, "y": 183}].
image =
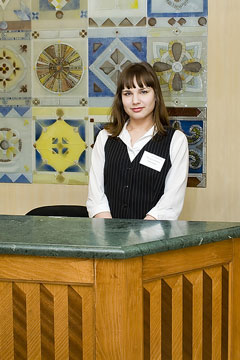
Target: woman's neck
[
  {"x": 139, "y": 126},
  {"x": 137, "y": 129}
]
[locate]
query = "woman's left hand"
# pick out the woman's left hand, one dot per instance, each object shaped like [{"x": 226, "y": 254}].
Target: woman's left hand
[{"x": 149, "y": 217}]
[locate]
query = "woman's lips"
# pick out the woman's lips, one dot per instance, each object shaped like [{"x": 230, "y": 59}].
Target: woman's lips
[{"x": 137, "y": 109}]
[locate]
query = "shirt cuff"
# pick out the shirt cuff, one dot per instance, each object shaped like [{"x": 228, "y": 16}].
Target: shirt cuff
[
  {"x": 97, "y": 210},
  {"x": 163, "y": 215}
]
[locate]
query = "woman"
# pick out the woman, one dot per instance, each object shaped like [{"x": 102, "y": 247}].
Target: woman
[{"x": 139, "y": 163}]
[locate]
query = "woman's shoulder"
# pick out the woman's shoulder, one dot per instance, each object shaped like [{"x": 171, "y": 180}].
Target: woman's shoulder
[
  {"x": 179, "y": 133},
  {"x": 179, "y": 139},
  {"x": 103, "y": 133},
  {"x": 102, "y": 137}
]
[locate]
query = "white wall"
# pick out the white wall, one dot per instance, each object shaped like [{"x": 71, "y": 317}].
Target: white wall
[{"x": 220, "y": 200}]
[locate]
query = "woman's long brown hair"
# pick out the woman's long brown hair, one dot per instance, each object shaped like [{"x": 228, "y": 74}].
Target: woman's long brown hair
[{"x": 145, "y": 76}]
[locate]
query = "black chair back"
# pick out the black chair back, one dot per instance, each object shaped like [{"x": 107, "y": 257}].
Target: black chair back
[{"x": 60, "y": 210}]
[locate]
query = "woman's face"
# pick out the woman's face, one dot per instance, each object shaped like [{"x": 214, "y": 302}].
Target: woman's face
[{"x": 139, "y": 102}]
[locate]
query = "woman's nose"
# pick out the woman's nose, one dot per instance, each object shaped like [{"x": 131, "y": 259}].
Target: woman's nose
[{"x": 135, "y": 98}]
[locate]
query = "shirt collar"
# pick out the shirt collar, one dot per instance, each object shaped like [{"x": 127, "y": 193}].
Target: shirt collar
[{"x": 125, "y": 136}]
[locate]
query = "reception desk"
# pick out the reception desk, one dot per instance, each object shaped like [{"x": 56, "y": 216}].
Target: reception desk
[{"x": 118, "y": 289}]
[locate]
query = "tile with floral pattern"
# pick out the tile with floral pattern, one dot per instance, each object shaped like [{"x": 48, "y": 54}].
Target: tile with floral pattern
[
  {"x": 179, "y": 58},
  {"x": 15, "y": 77}
]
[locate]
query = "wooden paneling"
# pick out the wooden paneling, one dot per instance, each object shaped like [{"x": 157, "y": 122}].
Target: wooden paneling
[
  {"x": 235, "y": 312},
  {"x": 152, "y": 334},
  {"x": 172, "y": 262},
  {"x": 6, "y": 323},
  {"x": 119, "y": 315},
  {"x": 192, "y": 316},
  {"x": 19, "y": 323},
  {"x": 43, "y": 269},
  {"x": 184, "y": 313},
  {"x": 75, "y": 325},
  {"x": 46, "y": 321}
]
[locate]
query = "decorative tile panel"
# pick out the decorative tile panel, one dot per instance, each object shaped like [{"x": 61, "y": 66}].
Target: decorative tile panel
[{"x": 64, "y": 56}]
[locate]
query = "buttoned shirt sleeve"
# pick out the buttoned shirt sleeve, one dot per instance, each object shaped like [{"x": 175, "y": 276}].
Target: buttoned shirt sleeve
[
  {"x": 97, "y": 201},
  {"x": 170, "y": 204}
]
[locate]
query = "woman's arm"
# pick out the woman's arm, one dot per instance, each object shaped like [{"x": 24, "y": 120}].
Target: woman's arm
[
  {"x": 97, "y": 202},
  {"x": 170, "y": 205}
]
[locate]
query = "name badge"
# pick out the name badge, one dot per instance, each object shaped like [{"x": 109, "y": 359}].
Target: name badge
[{"x": 152, "y": 161}]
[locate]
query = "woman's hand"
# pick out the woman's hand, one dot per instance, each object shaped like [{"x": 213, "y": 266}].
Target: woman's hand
[
  {"x": 149, "y": 217},
  {"x": 103, "y": 215}
]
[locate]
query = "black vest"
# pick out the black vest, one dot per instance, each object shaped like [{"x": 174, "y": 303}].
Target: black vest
[{"x": 133, "y": 189}]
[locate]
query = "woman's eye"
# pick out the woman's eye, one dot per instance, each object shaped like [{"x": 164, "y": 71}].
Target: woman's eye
[
  {"x": 144, "y": 92},
  {"x": 127, "y": 93}
]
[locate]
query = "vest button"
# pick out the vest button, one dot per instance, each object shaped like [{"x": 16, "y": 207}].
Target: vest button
[
  {"x": 125, "y": 206},
  {"x": 125, "y": 187}
]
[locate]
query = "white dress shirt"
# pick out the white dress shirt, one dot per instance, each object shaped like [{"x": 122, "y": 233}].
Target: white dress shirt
[{"x": 170, "y": 204}]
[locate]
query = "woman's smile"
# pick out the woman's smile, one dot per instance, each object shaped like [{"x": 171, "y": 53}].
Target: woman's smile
[{"x": 138, "y": 109}]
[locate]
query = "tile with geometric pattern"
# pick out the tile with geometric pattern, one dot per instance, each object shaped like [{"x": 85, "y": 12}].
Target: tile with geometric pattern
[
  {"x": 15, "y": 15},
  {"x": 119, "y": 13},
  {"x": 98, "y": 117},
  {"x": 57, "y": 14},
  {"x": 168, "y": 8},
  {"x": 192, "y": 121},
  {"x": 60, "y": 71},
  {"x": 15, "y": 144},
  {"x": 109, "y": 52},
  {"x": 60, "y": 145}
]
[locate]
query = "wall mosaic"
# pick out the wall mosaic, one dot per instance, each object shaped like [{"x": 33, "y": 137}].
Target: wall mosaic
[{"x": 59, "y": 63}]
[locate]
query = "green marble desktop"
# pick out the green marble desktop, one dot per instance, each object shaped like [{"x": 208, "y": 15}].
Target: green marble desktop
[{"x": 105, "y": 238}]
